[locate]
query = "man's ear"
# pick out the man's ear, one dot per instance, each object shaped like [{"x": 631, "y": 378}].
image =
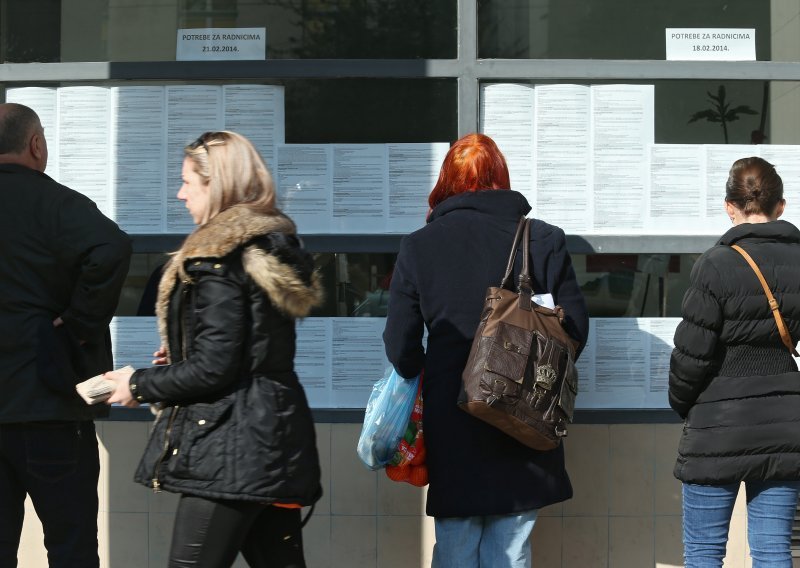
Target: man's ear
[{"x": 36, "y": 146}]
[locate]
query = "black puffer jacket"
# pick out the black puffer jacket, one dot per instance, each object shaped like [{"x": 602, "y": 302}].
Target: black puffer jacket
[
  {"x": 730, "y": 376},
  {"x": 236, "y": 424}
]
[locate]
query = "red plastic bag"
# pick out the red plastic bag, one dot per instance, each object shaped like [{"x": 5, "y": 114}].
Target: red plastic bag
[{"x": 408, "y": 462}]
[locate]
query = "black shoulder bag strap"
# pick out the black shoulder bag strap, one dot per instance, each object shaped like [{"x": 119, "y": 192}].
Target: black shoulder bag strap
[{"x": 773, "y": 303}]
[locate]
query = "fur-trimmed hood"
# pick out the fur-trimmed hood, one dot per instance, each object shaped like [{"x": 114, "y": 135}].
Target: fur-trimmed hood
[{"x": 291, "y": 287}]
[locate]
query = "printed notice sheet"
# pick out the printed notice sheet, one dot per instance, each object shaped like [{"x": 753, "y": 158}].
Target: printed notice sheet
[
  {"x": 139, "y": 171},
  {"x": 412, "y": 172},
  {"x": 626, "y": 363},
  {"x": 313, "y": 360},
  {"x": 562, "y": 148},
  {"x": 44, "y": 102},
  {"x": 191, "y": 110},
  {"x": 359, "y": 178},
  {"x": 339, "y": 359},
  {"x": 257, "y": 113},
  {"x": 676, "y": 196},
  {"x": 506, "y": 116},
  {"x": 134, "y": 340},
  {"x": 303, "y": 185},
  {"x": 83, "y": 143},
  {"x": 622, "y": 131}
]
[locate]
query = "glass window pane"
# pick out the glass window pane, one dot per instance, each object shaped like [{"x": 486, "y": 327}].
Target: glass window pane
[
  {"x": 371, "y": 110},
  {"x": 114, "y": 30},
  {"x": 627, "y": 29},
  {"x": 633, "y": 285}
]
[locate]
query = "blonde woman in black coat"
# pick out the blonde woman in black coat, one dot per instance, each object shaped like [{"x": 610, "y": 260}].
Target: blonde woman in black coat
[
  {"x": 734, "y": 381},
  {"x": 235, "y": 437},
  {"x": 485, "y": 487}
]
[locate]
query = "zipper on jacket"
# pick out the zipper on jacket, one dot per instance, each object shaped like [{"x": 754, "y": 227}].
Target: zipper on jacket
[
  {"x": 165, "y": 448},
  {"x": 182, "y": 321},
  {"x": 156, "y": 484}
]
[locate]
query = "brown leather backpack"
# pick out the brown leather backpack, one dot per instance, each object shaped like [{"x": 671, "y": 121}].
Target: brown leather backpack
[{"x": 520, "y": 375}]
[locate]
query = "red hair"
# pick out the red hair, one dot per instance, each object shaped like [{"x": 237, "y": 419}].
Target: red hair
[{"x": 473, "y": 163}]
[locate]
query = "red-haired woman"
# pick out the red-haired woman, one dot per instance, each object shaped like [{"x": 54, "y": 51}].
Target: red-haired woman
[{"x": 485, "y": 487}]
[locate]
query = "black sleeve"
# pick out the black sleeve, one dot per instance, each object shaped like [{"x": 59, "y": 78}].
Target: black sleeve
[
  {"x": 217, "y": 345},
  {"x": 405, "y": 326},
  {"x": 101, "y": 251},
  {"x": 696, "y": 338}
]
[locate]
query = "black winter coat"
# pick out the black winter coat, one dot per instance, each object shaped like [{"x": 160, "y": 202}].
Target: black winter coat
[
  {"x": 731, "y": 377},
  {"x": 439, "y": 282},
  {"x": 59, "y": 256},
  {"x": 236, "y": 423}
]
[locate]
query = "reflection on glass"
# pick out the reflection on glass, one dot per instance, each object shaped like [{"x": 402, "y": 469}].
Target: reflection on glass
[
  {"x": 621, "y": 29},
  {"x": 633, "y": 285},
  {"x": 139, "y": 293},
  {"x": 355, "y": 284},
  {"x": 615, "y": 285},
  {"x": 109, "y": 30}
]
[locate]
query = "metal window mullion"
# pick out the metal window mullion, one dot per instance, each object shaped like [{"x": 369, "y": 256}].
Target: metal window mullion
[
  {"x": 463, "y": 67},
  {"x": 566, "y": 69},
  {"x": 468, "y": 96}
]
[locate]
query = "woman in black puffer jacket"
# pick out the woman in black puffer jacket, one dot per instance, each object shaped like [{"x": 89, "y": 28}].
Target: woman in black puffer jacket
[
  {"x": 736, "y": 383},
  {"x": 235, "y": 435}
]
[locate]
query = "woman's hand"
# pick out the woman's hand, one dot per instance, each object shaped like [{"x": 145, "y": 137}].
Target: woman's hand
[
  {"x": 160, "y": 356},
  {"x": 122, "y": 391}
]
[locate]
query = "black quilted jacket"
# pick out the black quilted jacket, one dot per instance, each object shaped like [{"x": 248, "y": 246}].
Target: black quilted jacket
[
  {"x": 236, "y": 423},
  {"x": 730, "y": 375}
]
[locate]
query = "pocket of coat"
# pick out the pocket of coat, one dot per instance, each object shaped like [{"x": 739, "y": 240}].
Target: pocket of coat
[
  {"x": 201, "y": 450},
  {"x": 57, "y": 351},
  {"x": 508, "y": 355},
  {"x": 52, "y": 450}
]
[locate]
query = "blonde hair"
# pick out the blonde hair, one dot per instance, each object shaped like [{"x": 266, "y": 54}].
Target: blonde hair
[{"x": 234, "y": 172}]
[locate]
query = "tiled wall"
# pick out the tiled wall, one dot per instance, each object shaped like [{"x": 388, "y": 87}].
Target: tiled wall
[{"x": 626, "y": 512}]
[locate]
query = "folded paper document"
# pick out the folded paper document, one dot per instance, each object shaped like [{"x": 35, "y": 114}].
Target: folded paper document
[{"x": 97, "y": 389}]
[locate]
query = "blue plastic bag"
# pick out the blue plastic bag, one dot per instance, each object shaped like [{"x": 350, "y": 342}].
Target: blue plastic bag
[{"x": 386, "y": 419}]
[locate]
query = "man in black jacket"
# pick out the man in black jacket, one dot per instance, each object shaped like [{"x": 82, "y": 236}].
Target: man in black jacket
[{"x": 62, "y": 266}]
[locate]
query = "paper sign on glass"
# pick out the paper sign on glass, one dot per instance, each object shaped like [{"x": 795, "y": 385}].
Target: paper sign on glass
[
  {"x": 216, "y": 44},
  {"x": 711, "y": 44}
]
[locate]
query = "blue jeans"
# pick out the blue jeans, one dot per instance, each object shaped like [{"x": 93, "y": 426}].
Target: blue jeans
[
  {"x": 496, "y": 541},
  {"x": 57, "y": 464},
  {"x": 707, "y": 515}
]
